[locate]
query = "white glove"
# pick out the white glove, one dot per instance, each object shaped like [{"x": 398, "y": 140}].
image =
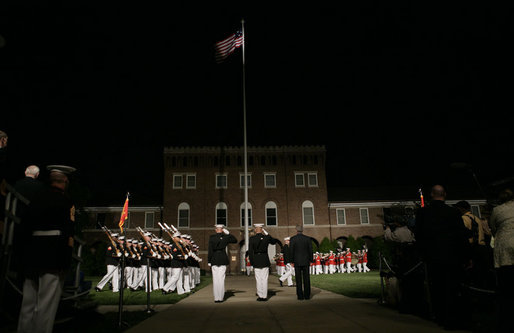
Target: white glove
[
  {"x": 186, "y": 256},
  {"x": 119, "y": 254},
  {"x": 209, "y": 264},
  {"x": 264, "y": 232},
  {"x": 225, "y": 231}
]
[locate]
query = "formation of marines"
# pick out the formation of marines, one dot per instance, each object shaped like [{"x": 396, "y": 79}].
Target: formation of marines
[
  {"x": 344, "y": 261},
  {"x": 152, "y": 263}
]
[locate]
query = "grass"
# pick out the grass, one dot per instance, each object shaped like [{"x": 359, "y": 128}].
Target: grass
[
  {"x": 358, "y": 285},
  {"x": 106, "y": 297}
]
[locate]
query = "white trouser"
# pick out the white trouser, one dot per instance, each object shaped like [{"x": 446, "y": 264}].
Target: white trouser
[
  {"x": 162, "y": 274},
  {"x": 187, "y": 279},
  {"x": 218, "y": 282},
  {"x": 41, "y": 298},
  {"x": 288, "y": 275},
  {"x": 155, "y": 278},
  {"x": 261, "y": 279},
  {"x": 319, "y": 270},
  {"x": 359, "y": 267},
  {"x": 129, "y": 275},
  {"x": 113, "y": 272},
  {"x": 175, "y": 281},
  {"x": 198, "y": 275},
  {"x": 332, "y": 269},
  {"x": 349, "y": 268},
  {"x": 143, "y": 277},
  {"x": 341, "y": 268},
  {"x": 325, "y": 269},
  {"x": 365, "y": 267}
]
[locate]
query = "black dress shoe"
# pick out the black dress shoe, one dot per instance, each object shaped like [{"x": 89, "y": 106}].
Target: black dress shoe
[
  {"x": 280, "y": 281},
  {"x": 98, "y": 289},
  {"x": 218, "y": 301},
  {"x": 301, "y": 298},
  {"x": 260, "y": 299}
]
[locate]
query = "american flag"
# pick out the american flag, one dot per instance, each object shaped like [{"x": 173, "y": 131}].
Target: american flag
[{"x": 227, "y": 46}]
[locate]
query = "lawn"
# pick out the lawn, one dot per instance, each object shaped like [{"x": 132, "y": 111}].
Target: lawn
[
  {"x": 359, "y": 285},
  {"x": 107, "y": 297}
]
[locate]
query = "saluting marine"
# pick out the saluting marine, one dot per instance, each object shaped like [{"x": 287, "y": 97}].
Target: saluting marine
[
  {"x": 217, "y": 259},
  {"x": 258, "y": 252}
]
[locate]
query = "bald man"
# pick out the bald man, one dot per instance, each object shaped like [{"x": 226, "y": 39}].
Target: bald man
[{"x": 443, "y": 244}]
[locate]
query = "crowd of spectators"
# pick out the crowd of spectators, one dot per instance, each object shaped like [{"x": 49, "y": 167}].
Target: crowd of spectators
[{"x": 448, "y": 252}]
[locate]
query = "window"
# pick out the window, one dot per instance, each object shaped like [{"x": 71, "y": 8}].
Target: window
[
  {"x": 313, "y": 179},
  {"x": 341, "y": 216},
  {"x": 270, "y": 180},
  {"x": 221, "y": 180},
  {"x": 271, "y": 213},
  {"x": 243, "y": 214},
  {"x": 221, "y": 213},
  {"x": 242, "y": 180},
  {"x": 299, "y": 179},
  {"x": 308, "y": 213},
  {"x": 149, "y": 220},
  {"x": 183, "y": 215},
  {"x": 191, "y": 181},
  {"x": 364, "y": 214},
  {"x": 475, "y": 210},
  {"x": 177, "y": 181}
]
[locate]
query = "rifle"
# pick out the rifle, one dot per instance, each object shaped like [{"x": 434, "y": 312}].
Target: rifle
[
  {"x": 113, "y": 242},
  {"x": 149, "y": 244},
  {"x": 179, "y": 244},
  {"x": 189, "y": 251}
]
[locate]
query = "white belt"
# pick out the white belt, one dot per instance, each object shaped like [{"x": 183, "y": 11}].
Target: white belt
[{"x": 47, "y": 233}]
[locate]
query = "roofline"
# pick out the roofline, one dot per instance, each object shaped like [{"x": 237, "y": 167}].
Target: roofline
[{"x": 386, "y": 204}]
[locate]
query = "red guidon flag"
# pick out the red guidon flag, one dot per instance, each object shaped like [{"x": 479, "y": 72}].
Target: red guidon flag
[
  {"x": 124, "y": 214},
  {"x": 227, "y": 46}
]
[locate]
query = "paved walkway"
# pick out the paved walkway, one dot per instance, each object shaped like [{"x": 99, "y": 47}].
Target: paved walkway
[{"x": 325, "y": 311}]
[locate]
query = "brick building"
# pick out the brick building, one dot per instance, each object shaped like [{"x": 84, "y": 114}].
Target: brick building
[{"x": 203, "y": 186}]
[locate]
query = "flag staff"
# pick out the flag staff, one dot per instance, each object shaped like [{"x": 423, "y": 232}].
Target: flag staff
[{"x": 244, "y": 140}]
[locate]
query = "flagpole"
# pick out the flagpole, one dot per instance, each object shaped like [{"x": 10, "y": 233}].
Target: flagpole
[{"x": 244, "y": 140}]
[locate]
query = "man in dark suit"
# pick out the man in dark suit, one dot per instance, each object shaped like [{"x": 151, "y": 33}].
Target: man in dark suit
[
  {"x": 217, "y": 259},
  {"x": 49, "y": 218},
  {"x": 259, "y": 258},
  {"x": 301, "y": 257},
  {"x": 442, "y": 241}
]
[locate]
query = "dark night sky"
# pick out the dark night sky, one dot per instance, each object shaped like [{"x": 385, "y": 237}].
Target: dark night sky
[{"x": 395, "y": 92}]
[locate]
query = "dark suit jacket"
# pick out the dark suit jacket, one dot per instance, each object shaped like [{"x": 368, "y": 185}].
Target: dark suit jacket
[
  {"x": 301, "y": 250},
  {"x": 258, "y": 250},
  {"x": 49, "y": 210},
  {"x": 217, "y": 255},
  {"x": 441, "y": 236}
]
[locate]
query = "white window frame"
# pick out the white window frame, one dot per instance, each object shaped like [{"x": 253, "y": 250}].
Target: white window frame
[
  {"x": 308, "y": 204},
  {"x": 309, "y": 174},
  {"x": 193, "y": 175},
  {"x": 182, "y": 207},
  {"x": 226, "y": 180},
  {"x": 271, "y": 205},
  {"x": 367, "y": 215},
  {"x": 296, "y": 174},
  {"x": 274, "y": 174},
  {"x": 221, "y": 206},
  {"x": 178, "y": 175},
  {"x": 343, "y": 214},
  {"x": 475, "y": 210},
  {"x": 242, "y": 177},
  {"x": 242, "y": 217},
  {"x": 146, "y": 220}
]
